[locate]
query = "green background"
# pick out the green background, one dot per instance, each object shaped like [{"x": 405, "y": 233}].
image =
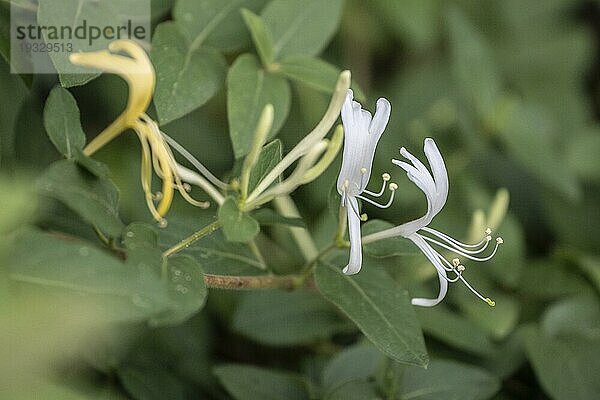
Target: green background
[{"x": 509, "y": 90}]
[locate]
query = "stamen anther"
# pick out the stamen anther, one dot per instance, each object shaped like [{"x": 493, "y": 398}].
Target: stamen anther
[
  {"x": 364, "y": 217},
  {"x": 187, "y": 187},
  {"x": 363, "y": 170},
  {"x": 455, "y": 262},
  {"x": 162, "y": 223},
  {"x": 488, "y": 231},
  {"x": 460, "y": 268},
  {"x": 386, "y": 178},
  {"x": 158, "y": 196},
  {"x": 499, "y": 240},
  {"x": 490, "y": 302},
  {"x": 393, "y": 186},
  {"x": 488, "y": 238}
]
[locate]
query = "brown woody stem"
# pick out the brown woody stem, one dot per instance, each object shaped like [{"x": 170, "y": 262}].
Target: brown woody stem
[{"x": 253, "y": 282}]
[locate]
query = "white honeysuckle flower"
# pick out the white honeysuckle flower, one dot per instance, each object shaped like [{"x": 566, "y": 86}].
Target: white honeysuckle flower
[
  {"x": 361, "y": 135},
  {"x": 435, "y": 187}
]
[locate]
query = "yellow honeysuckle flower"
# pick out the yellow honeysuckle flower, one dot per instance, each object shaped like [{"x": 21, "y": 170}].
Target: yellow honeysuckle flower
[
  {"x": 128, "y": 60},
  {"x": 136, "y": 69}
]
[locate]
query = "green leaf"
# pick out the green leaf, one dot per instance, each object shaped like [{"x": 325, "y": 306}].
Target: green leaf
[
  {"x": 416, "y": 22},
  {"x": 354, "y": 363},
  {"x": 354, "y": 390},
  {"x": 95, "y": 167},
  {"x": 591, "y": 266},
  {"x": 548, "y": 280},
  {"x": 446, "y": 379},
  {"x": 454, "y": 330},
  {"x": 139, "y": 235},
  {"x": 237, "y": 226},
  {"x": 146, "y": 383},
  {"x": 314, "y": 73},
  {"x": 379, "y": 307},
  {"x": 69, "y": 13},
  {"x": 63, "y": 125},
  {"x": 73, "y": 13},
  {"x": 253, "y": 383},
  {"x": 566, "y": 221},
  {"x": 187, "y": 76},
  {"x": 186, "y": 289},
  {"x": 509, "y": 262},
  {"x": 140, "y": 240},
  {"x": 214, "y": 23},
  {"x": 61, "y": 119},
  {"x": 121, "y": 291},
  {"x": 578, "y": 316},
  {"x": 508, "y": 356},
  {"x": 261, "y": 36},
  {"x": 395, "y": 246},
  {"x": 94, "y": 198},
  {"x": 528, "y": 127},
  {"x": 266, "y": 216},
  {"x": 499, "y": 321},
  {"x": 304, "y": 319},
  {"x": 302, "y": 26},
  {"x": 249, "y": 90},
  {"x": 269, "y": 157},
  {"x": 582, "y": 151},
  {"x": 566, "y": 368},
  {"x": 184, "y": 352},
  {"x": 214, "y": 252},
  {"x": 473, "y": 65},
  {"x": 18, "y": 205}
]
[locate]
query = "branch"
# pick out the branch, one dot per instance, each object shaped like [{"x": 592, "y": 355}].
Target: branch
[{"x": 287, "y": 282}]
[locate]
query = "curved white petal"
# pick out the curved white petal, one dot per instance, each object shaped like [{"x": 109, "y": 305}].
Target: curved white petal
[
  {"x": 431, "y": 255},
  {"x": 415, "y": 161},
  {"x": 356, "y": 120},
  {"x": 424, "y": 182},
  {"x": 434, "y": 186},
  {"x": 438, "y": 167},
  {"x": 347, "y": 114},
  {"x": 355, "y": 262},
  {"x": 361, "y": 135},
  {"x": 362, "y": 118},
  {"x": 382, "y": 116}
]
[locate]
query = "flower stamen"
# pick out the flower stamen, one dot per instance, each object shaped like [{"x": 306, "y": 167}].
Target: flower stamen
[
  {"x": 194, "y": 161},
  {"x": 393, "y": 188},
  {"x": 450, "y": 239},
  {"x": 458, "y": 268},
  {"x": 385, "y": 177},
  {"x": 489, "y": 301}
]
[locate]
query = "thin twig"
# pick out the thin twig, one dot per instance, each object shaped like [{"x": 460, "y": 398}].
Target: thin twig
[
  {"x": 185, "y": 243},
  {"x": 287, "y": 282}
]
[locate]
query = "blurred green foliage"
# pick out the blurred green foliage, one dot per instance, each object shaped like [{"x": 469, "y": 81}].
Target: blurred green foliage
[{"x": 510, "y": 91}]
